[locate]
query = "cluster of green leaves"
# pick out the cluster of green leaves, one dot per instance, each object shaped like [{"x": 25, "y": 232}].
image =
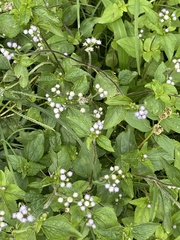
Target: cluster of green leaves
[{"x": 35, "y": 144}]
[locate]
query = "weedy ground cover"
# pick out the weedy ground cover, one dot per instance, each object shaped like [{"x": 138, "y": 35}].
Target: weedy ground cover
[{"x": 89, "y": 120}]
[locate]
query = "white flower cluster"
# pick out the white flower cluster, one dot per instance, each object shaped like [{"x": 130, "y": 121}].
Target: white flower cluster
[
  {"x": 173, "y": 187},
  {"x": 67, "y": 201},
  {"x": 177, "y": 64},
  {"x": 97, "y": 127},
  {"x": 90, "y": 43},
  {"x": 140, "y": 35},
  {"x": 119, "y": 197},
  {"x": 170, "y": 81},
  {"x": 102, "y": 93},
  {"x": 98, "y": 112},
  {"x": 70, "y": 95},
  {"x": 86, "y": 202},
  {"x": 57, "y": 107},
  {"x": 7, "y": 54},
  {"x": 2, "y": 223},
  {"x": 81, "y": 99},
  {"x": 90, "y": 222},
  {"x": 13, "y": 45},
  {"x": 165, "y": 15},
  {"x": 23, "y": 215},
  {"x": 64, "y": 177},
  {"x": 34, "y": 32},
  {"x": 113, "y": 179},
  {"x": 142, "y": 113},
  {"x": 8, "y": 6}
]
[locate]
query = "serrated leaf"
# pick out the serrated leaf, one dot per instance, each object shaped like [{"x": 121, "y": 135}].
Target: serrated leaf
[
  {"x": 13, "y": 192},
  {"x": 59, "y": 228},
  {"x": 105, "y": 143}
]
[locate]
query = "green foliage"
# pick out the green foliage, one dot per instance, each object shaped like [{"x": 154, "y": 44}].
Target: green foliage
[{"x": 89, "y": 109}]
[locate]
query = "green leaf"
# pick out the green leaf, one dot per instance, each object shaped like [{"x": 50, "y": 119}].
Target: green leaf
[
  {"x": 126, "y": 143},
  {"x": 172, "y": 123},
  {"x": 9, "y": 27},
  {"x": 79, "y": 122},
  {"x": 105, "y": 143},
  {"x": 4, "y": 63},
  {"x": 111, "y": 14},
  {"x": 144, "y": 231},
  {"x": 168, "y": 43},
  {"x": 105, "y": 218},
  {"x": 34, "y": 168},
  {"x": 166, "y": 143},
  {"x": 126, "y": 76},
  {"x": 69, "y": 15},
  {"x": 128, "y": 44},
  {"x": 25, "y": 233},
  {"x": 13, "y": 192},
  {"x": 21, "y": 72},
  {"x": 142, "y": 125},
  {"x": 34, "y": 148},
  {"x": 118, "y": 100},
  {"x": 114, "y": 115},
  {"x": 59, "y": 228},
  {"x": 172, "y": 172}
]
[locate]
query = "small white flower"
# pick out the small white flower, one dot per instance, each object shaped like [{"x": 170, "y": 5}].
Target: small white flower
[{"x": 60, "y": 199}]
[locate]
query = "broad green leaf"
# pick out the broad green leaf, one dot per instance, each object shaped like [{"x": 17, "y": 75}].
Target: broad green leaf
[
  {"x": 166, "y": 143},
  {"x": 4, "y": 63},
  {"x": 59, "y": 228},
  {"x": 142, "y": 5},
  {"x": 87, "y": 26},
  {"x": 40, "y": 184},
  {"x": 142, "y": 125},
  {"x": 13, "y": 192},
  {"x": 9, "y": 27},
  {"x": 111, "y": 14},
  {"x": 114, "y": 115},
  {"x": 21, "y": 72},
  {"x": 127, "y": 186},
  {"x": 126, "y": 143},
  {"x": 105, "y": 143},
  {"x": 34, "y": 149},
  {"x": 34, "y": 168},
  {"x": 144, "y": 231},
  {"x": 107, "y": 84},
  {"x": 79, "y": 122},
  {"x": 113, "y": 233},
  {"x": 74, "y": 73},
  {"x": 128, "y": 44},
  {"x": 63, "y": 158},
  {"x": 168, "y": 43},
  {"x": 27, "y": 233},
  {"x": 126, "y": 76},
  {"x": 172, "y": 123},
  {"x": 69, "y": 15},
  {"x": 118, "y": 101},
  {"x": 105, "y": 218},
  {"x": 172, "y": 172}
]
